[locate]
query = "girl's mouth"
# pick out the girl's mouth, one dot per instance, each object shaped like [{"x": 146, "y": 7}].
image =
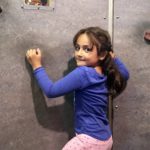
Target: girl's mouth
[{"x": 79, "y": 59}]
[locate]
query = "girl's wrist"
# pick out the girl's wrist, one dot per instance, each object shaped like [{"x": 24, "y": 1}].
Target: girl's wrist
[{"x": 36, "y": 66}]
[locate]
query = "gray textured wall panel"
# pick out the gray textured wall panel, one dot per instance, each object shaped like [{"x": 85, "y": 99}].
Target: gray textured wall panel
[
  {"x": 132, "y": 118},
  {"x": 27, "y": 119}
]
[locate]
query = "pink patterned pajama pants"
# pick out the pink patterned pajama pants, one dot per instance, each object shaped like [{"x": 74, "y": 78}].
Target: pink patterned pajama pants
[{"x": 85, "y": 142}]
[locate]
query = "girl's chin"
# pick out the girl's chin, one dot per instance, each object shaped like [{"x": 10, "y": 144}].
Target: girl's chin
[{"x": 81, "y": 64}]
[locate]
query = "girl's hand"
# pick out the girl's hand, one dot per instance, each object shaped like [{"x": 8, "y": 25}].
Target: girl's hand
[
  {"x": 34, "y": 58},
  {"x": 112, "y": 54}
]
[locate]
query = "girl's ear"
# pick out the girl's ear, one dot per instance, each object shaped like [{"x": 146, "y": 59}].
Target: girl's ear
[{"x": 103, "y": 55}]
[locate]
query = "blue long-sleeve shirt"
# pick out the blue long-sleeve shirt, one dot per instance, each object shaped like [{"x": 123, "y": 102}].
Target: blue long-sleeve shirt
[{"x": 91, "y": 97}]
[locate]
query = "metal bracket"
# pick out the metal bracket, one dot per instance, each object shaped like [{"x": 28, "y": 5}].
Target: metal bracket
[{"x": 51, "y": 6}]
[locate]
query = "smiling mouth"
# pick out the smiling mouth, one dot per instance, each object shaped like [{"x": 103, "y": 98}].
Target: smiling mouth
[{"x": 78, "y": 59}]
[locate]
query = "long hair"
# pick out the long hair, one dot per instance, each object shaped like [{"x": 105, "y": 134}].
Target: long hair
[{"x": 101, "y": 39}]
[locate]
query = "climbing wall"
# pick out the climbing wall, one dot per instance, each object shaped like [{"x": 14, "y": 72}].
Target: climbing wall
[
  {"x": 131, "y": 126},
  {"x": 28, "y": 120}
]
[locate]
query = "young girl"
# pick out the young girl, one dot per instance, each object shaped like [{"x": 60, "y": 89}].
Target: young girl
[{"x": 97, "y": 74}]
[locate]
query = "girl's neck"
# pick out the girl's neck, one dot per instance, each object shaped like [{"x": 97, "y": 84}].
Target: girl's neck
[{"x": 98, "y": 69}]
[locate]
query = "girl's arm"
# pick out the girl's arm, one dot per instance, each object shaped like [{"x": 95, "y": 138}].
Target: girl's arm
[
  {"x": 121, "y": 67},
  {"x": 61, "y": 87}
]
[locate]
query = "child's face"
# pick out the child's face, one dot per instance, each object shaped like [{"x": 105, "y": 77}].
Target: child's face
[{"x": 85, "y": 52}]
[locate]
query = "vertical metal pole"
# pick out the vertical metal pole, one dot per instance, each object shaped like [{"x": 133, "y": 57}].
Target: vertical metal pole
[
  {"x": 111, "y": 19},
  {"x": 111, "y": 32},
  {"x": 110, "y": 112}
]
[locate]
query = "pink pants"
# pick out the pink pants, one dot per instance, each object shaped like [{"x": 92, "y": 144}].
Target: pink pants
[{"x": 85, "y": 142}]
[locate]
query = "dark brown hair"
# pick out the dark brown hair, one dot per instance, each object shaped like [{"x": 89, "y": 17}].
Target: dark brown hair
[{"x": 101, "y": 39}]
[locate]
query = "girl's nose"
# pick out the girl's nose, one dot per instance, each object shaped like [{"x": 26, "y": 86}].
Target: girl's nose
[{"x": 80, "y": 52}]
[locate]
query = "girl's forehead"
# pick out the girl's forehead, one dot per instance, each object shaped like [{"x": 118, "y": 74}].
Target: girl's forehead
[{"x": 83, "y": 39}]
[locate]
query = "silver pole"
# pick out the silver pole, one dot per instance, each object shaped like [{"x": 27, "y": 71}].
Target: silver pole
[
  {"x": 111, "y": 32},
  {"x": 111, "y": 19}
]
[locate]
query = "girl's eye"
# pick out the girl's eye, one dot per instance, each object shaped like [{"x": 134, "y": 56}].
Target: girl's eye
[
  {"x": 77, "y": 47},
  {"x": 87, "y": 49}
]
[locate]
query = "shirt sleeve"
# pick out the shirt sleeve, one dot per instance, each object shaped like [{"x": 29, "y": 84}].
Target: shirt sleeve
[
  {"x": 61, "y": 87},
  {"x": 122, "y": 68}
]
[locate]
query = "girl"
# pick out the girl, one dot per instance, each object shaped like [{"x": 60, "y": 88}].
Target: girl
[{"x": 97, "y": 74}]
